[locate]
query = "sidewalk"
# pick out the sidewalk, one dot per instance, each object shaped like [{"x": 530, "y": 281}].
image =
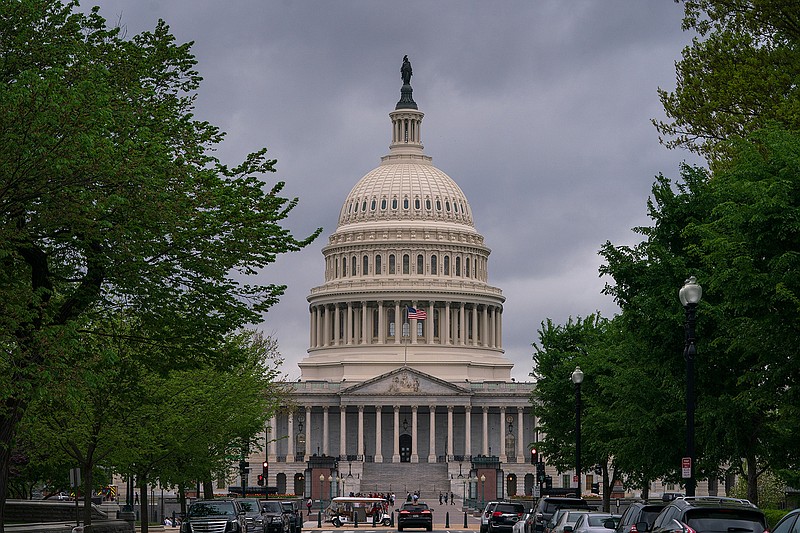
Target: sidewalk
[{"x": 439, "y": 519}]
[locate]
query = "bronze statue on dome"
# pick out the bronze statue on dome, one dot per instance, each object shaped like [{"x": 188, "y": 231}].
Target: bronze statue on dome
[{"x": 405, "y": 71}]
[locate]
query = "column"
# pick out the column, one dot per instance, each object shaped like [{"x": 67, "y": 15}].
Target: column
[
  {"x": 502, "y": 453},
  {"x": 360, "y": 433},
  {"x": 326, "y": 448},
  {"x": 520, "y": 432},
  {"x": 365, "y": 332},
  {"x": 308, "y": 432},
  {"x": 445, "y": 328},
  {"x": 429, "y": 323},
  {"x": 493, "y": 327},
  {"x": 290, "y": 440},
  {"x": 348, "y": 335},
  {"x": 342, "y": 430},
  {"x": 485, "y": 430},
  {"x": 462, "y": 323},
  {"x": 396, "y": 452},
  {"x": 381, "y": 323},
  {"x": 499, "y": 328},
  {"x": 398, "y": 324},
  {"x": 378, "y": 450},
  {"x": 468, "y": 431},
  {"x": 337, "y": 326},
  {"x": 271, "y": 437},
  {"x": 485, "y": 326},
  {"x": 449, "y": 432},
  {"x": 326, "y": 327},
  {"x": 432, "y": 442},
  {"x": 312, "y": 328},
  {"x": 474, "y": 325},
  {"x": 414, "y": 435},
  {"x": 319, "y": 326}
]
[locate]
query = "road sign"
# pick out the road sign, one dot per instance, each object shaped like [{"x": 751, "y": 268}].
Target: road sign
[
  {"x": 537, "y": 491},
  {"x": 686, "y": 467}
]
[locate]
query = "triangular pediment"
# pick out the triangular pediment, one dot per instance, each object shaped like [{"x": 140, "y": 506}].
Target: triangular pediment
[{"x": 405, "y": 381}]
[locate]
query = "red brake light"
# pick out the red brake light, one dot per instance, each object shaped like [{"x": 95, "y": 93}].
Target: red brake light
[
  {"x": 633, "y": 529},
  {"x": 426, "y": 511},
  {"x": 497, "y": 513}
]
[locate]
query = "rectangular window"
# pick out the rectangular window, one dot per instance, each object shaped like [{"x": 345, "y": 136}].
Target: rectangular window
[
  {"x": 433, "y": 265},
  {"x": 391, "y": 264},
  {"x": 406, "y": 264},
  {"x": 420, "y": 264}
]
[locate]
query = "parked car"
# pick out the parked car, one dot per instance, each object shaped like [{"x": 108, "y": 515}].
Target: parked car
[
  {"x": 275, "y": 521},
  {"x": 708, "y": 514},
  {"x": 415, "y": 515},
  {"x": 639, "y": 512},
  {"x": 548, "y": 505},
  {"x": 252, "y": 514},
  {"x": 295, "y": 516},
  {"x": 485, "y": 516},
  {"x": 503, "y": 516},
  {"x": 790, "y": 523},
  {"x": 566, "y": 518},
  {"x": 519, "y": 527},
  {"x": 214, "y": 515},
  {"x": 595, "y": 523}
]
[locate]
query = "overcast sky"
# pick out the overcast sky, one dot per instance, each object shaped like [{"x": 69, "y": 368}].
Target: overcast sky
[{"x": 539, "y": 110}]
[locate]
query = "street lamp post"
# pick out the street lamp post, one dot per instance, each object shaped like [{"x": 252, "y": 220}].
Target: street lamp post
[
  {"x": 690, "y": 295},
  {"x": 321, "y": 481},
  {"x": 483, "y": 490},
  {"x": 577, "y": 379}
]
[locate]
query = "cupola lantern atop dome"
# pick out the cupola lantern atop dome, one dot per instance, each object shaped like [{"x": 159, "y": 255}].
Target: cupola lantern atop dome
[{"x": 406, "y": 100}]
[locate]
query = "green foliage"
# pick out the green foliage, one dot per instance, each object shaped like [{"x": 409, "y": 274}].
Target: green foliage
[
  {"x": 771, "y": 494},
  {"x": 112, "y": 203},
  {"x": 737, "y": 76}
]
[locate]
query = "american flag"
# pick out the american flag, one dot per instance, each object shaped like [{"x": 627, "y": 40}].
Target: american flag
[{"x": 419, "y": 314}]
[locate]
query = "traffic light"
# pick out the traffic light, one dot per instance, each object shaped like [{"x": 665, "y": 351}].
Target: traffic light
[
  {"x": 540, "y": 472},
  {"x": 534, "y": 456},
  {"x": 548, "y": 482},
  {"x": 260, "y": 480},
  {"x": 595, "y": 488},
  {"x": 265, "y": 471}
]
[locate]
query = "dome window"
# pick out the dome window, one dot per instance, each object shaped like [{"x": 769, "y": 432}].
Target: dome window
[
  {"x": 446, "y": 265},
  {"x": 365, "y": 266},
  {"x": 353, "y": 266},
  {"x": 420, "y": 264},
  {"x": 438, "y": 205},
  {"x": 428, "y": 204},
  {"x": 434, "y": 265},
  {"x": 344, "y": 267},
  {"x": 378, "y": 266},
  {"x": 350, "y": 207},
  {"x": 364, "y": 206},
  {"x": 374, "y": 205},
  {"x": 383, "y": 204},
  {"x": 447, "y": 206},
  {"x": 405, "y": 203},
  {"x": 466, "y": 267},
  {"x": 392, "y": 266},
  {"x": 417, "y": 203},
  {"x": 455, "y": 207},
  {"x": 394, "y": 203},
  {"x": 406, "y": 264},
  {"x": 458, "y": 266}
]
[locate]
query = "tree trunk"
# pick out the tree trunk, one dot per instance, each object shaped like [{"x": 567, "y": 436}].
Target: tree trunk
[
  {"x": 208, "y": 490},
  {"x": 752, "y": 479},
  {"x": 645, "y": 489},
  {"x": 606, "y": 489},
  {"x": 143, "y": 507},
  {"x": 8, "y": 429},
  {"x": 182, "y": 499}
]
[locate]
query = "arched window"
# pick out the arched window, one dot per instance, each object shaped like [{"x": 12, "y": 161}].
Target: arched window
[
  {"x": 336, "y": 263},
  {"x": 433, "y": 265},
  {"x": 391, "y": 264},
  {"x": 378, "y": 266},
  {"x": 353, "y": 266},
  {"x": 428, "y": 204},
  {"x": 406, "y": 265},
  {"x": 458, "y": 266},
  {"x": 447, "y": 206},
  {"x": 405, "y": 203},
  {"x": 447, "y": 265},
  {"x": 364, "y": 206},
  {"x": 365, "y": 266},
  {"x": 438, "y": 205},
  {"x": 344, "y": 266},
  {"x": 391, "y": 321},
  {"x": 394, "y": 203},
  {"x": 417, "y": 203},
  {"x": 466, "y": 267},
  {"x": 420, "y": 264},
  {"x": 383, "y": 204},
  {"x": 373, "y": 205}
]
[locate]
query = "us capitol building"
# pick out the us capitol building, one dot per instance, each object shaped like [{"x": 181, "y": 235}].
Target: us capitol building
[{"x": 405, "y": 386}]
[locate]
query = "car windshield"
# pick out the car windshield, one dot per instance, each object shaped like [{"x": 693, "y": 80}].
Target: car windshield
[
  {"x": 287, "y": 506},
  {"x": 273, "y": 507},
  {"x": 598, "y": 520},
  {"x": 649, "y": 516},
  {"x": 573, "y": 516},
  {"x": 514, "y": 508},
  {"x": 725, "y": 521},
  {"x": 201, "y": 509},
  {"x": 249, "y": 506}
]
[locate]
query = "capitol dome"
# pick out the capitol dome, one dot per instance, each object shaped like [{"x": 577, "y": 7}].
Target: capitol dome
[{"x": 406, "y": 275}]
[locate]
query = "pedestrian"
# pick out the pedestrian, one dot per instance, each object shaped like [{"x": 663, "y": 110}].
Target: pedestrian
[
  {"x": 308, "y": 504},
  {"x": 452, "y": 499},
  {"x": 440, "y": 498},
  {"x": 445, "y": 498}
]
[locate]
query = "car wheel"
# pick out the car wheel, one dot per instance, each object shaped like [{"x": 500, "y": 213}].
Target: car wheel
[
  {"x": 337, "y": 522},
  {"x": 386, "y": 521}
]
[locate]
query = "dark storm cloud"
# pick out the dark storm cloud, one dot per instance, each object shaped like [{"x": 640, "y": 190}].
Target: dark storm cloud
[{"x": 539, "y": 110}]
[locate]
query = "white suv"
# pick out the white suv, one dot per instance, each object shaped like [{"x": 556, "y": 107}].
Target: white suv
[{"x": 485, "y": 515}]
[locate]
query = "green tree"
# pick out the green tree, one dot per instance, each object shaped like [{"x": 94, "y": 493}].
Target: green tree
[
  {"x": 739, "y": 74},
  {"x": 111, "y": 199}
]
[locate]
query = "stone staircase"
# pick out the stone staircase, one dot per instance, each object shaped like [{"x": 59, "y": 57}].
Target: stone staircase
[{"x": 401, "y": 478}]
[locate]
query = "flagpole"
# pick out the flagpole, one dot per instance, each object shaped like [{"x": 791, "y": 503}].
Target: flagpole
[{"x": 406, "y": 327}]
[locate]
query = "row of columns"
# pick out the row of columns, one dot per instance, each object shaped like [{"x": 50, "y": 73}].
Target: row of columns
[
  {"x": 290, "y": 453},
  {"x": 353, "y": 323}
]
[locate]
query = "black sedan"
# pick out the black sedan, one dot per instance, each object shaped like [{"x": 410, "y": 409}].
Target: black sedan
[{"x": 415, "y": 515}]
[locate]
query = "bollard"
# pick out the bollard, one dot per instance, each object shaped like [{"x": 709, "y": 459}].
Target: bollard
[
  {"x": 355, "y": 518},
  {"x": 391, "y": 519},
  {"x": 374, "y": 518},
  {"x": 447, "y": 520},
  {"x": 319, "y": 518},
  {"x": 465, "y": 520}
]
